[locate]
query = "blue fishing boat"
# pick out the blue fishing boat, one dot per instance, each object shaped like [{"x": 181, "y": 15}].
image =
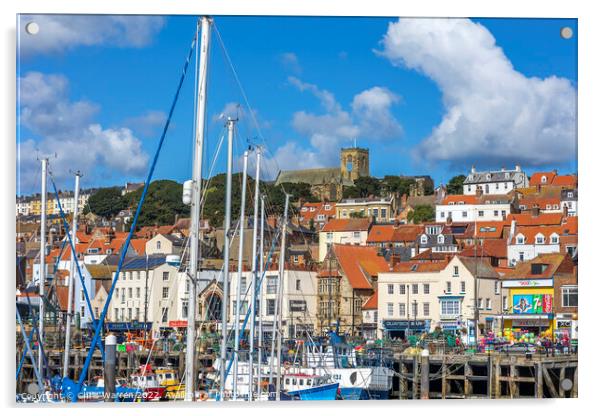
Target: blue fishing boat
[{"x": 309, "y": 387}]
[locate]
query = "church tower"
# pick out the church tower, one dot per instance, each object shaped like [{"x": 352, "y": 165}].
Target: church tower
[{"x": 355, "y": 162}]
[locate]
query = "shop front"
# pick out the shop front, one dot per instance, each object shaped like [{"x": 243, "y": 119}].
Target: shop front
[
  {"x": 530, "y": 306},
  {"x": 402, "y": 328}
]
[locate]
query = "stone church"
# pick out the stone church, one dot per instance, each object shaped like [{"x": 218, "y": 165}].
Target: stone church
[{"x": 327, "y": 183}]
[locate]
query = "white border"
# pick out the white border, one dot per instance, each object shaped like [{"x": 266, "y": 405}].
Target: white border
[{"x": 590, "y": 70}]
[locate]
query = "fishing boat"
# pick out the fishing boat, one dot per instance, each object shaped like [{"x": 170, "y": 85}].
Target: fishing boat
[
  {"x": 146, "y": 380},
  {"x": 95, "y": 392},
  {"x": 168, "y": 378},
  {"x": 300, "y": 386}
]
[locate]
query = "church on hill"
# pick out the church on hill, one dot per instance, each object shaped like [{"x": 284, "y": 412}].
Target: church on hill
[{"x": 327, "y": 183}]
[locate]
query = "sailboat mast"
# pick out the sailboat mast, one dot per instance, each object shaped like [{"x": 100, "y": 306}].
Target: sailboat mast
[
  {"x": 42, "y": 281},
  {"x": 241, "y": 239},
  {"x": 195, "y": 209},
  {"x": 279, "y": 300},
  {"x": 260, "y": 314},
  {"x": 254, "y": 277},
  {"x": 226, "y": 284},
  {"x": 72, "y": 271}
]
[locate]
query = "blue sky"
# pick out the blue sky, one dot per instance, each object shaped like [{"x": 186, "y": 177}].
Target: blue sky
[{"x": 426, "y": 96}]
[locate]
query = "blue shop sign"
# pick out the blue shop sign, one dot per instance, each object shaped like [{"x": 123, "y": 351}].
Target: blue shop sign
[
  {"x": 129, "y": 326},
  {"x": 402, "y": 325}
]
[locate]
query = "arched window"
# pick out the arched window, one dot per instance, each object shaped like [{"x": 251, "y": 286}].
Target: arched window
[{"x": 349, "y": 163}]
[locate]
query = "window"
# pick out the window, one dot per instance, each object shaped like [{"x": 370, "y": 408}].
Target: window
[
  {"x": 165, "y": 292},
  {"x": 481, "y": 213},
  {"x": 165, "y": 275},
  {"x": 390, "y": 289},
  {"x": 82, "y": 312},
  {"x": 488, "y": 303},
  {"x": 569, "y": 194},
  {"x": 497, "y": 287},
  {"x": 503, "y": 213},
  {"x": 164, "y": 312},
  {"x": 129, "y": 293},
  {"x": 298, "y": 284},
  {"x": 448, "y": 287},
  {"x": 440, "y": 239},
  {"x": 480, "y": 303},
  {"x": 137, "y": 316},
  {"x": 462, "y": 286},
  {"x": 464, "y": 214},
  {"x": 129, "y": 314},
  {"x": 569, "y": 296},
  {"x": 415, "y": 309},
  {"x": 329, "y": 236},
  {"x": 456, "y": 271},
  {"x": 554, "y": 239},
  {"x": 450, "y": 307},
  {"x": 271, "y": 285},
  {"x": 505, "y": 303},
  {"x": 185, "y": 308},
  {"x": 138, "y": 293},
  {"x": 426, "y": 308},
  {"x": 497, "y": 186},
  {"x": 141, "y": 273},
  {"x": 442, "y": 214},
  {"x": 344, "y": 215},
  {"x": 383, "y": 212},
  {"x": 115, "y": 314},
  {"x": 122, "y": 295},
  {"x": 520, "y": 239},
  {"x": 539, "y": 239},
  {"x": 415, "y": 288},
  {"x": 95, "y": 311},
  {"x": 301, "y": 305},
  {"x": 270, "y": 307},
  {"x": 134, "y": 274},
  {"x": 390, "y": 309},
  {"x": 426, "y": 288},
  {"x": 402, "y": 289},
  {"x": 356, "y": 234},
  {"x": 423, "y": 239},
  {"x": 495, "y": 213},
  {"x": 375, "y": 212},
  {"x": 327, "y": 207},
  {"x": 521, "y": 256},
  {"x": 82, "y": 295},
  {"x": 123, "y": 314},
  {"x": 243, "y": 283},
  {"x": 402, "y": 309}
]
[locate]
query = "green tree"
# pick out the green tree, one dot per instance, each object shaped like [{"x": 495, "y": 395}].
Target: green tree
[
  {"x": 455, "y": 185},
  {"x": 106, "y": 202},
  {"x": 422, "y": 213},
  {"x": 363, "y": 187},
  {"x": 162, "y": 203}
]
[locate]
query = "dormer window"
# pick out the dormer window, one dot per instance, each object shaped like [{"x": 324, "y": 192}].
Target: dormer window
[
  {"x": 452, "y": 203},
  {"x": 488, "y": 176},
  {"x": 312, "y": 209},
  {"x": 554, "y": 238},
  {"x": 520, "y": 239},
  {"x": 440, "y": 239},
  {"x": 548, "y": 206},
  {"x": 423, "y": 239},
  {"x": 304, "y": 209},
  {"x": 539, "y": 239},
  {"x": 327, "y": 207},
  {"x": 569, "y": 194},
  {"x": 507, "y": 176},
  {"x": 544, "y": 179}
]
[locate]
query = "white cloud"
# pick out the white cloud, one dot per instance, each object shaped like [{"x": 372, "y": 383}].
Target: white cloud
[
  {"x": 494, "y": 114},
  {"x": 59, "y": 33},
  {"x": 290, "y": 61},
  {"x": 66, "y": 128},
  {"x": 370, "y": 119}
]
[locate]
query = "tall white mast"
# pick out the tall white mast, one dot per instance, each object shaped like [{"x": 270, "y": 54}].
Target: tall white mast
[
  {"x": 72, "y": 271},
  {"x": 260, "y": 314},
  {"x": 254, "y": 277},
  {"x": 241, "y": 239},
  {"x": 195, "y": 209},
  {"x": 42, "y": 281},
  {"x": 226, "y": 295},
  {"x": 277, "y": 336}
]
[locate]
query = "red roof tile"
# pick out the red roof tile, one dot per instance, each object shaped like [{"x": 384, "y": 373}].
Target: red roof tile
[
  {"x": 419, "y": 267},
  {"x": 358, "y": 263},
  {"x": 460, "y": 199},
  {"x": 371, "y": 302},
  {"x": 536, "y": 178},
  {"x": 530, "y": 233},
  {"x": 542, "y": 219},
  {"x": 569, "y": 181}
]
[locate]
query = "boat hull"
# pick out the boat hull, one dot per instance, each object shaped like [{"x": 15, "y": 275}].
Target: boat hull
[{"x": 324, "y": 392}]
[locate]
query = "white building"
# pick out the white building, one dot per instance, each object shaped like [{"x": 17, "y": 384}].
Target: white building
[
  {"x": 298, "y": 301},
  {"x": 497, "y": 182},
  {"x": 568, "y": 201},
  {"x": 470, "y": 208},
  {"x": 526, "y": 243},
  {"x": 343, "y": 231},
  {"x": 418, "y": 297}
]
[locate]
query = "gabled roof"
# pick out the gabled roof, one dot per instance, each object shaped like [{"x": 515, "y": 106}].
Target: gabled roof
[
  {"x": 490, "y": 229},
  {"x": 530, "y": 233},
  {"x": 479, "y": 267},
  {"x": 371, "y": 302},
  {"x": 527, "y": 218},
  {"x": 139, "y": 245},
  {"x": 493, "y": 176},
  {"x": 565, "y": 180},
  {"x": 381, "y": 233},
  {"x": 428, "y": 255},
  {"x": 540, "y": 202},
  {"x": 555, "y": 263},
  {"x": 419, "y": 267},
  {"x": 537, "y": 178},
  {"x": 460, "y": 200},
  {"x": 351, "y": 224},
  {"x": 359, "y": 263}
]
